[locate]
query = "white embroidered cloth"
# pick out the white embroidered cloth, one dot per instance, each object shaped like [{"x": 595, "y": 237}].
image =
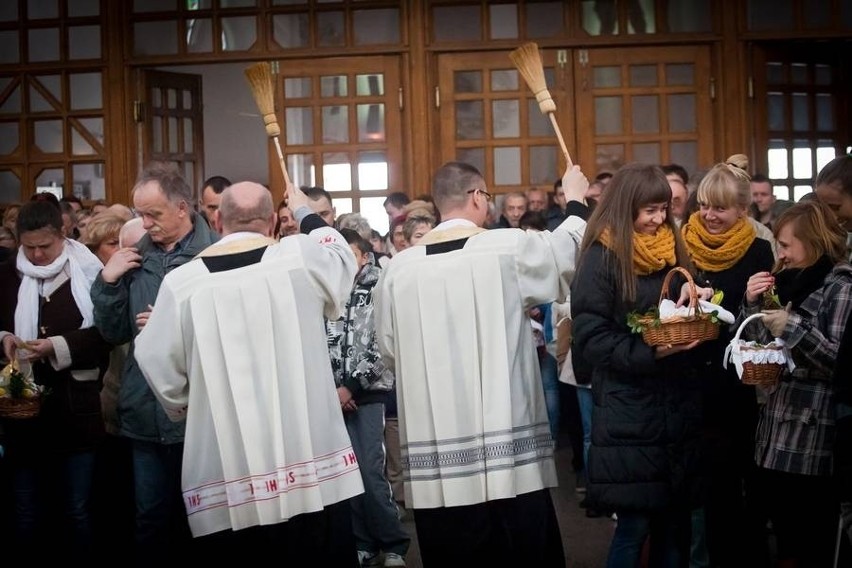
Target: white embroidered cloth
[{"x": 740, "y": 351}]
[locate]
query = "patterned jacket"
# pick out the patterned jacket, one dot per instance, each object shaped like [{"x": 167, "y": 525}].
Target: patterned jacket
[
  {"x": 355, "y": 358},
  {"x": 797, "y": 425}
]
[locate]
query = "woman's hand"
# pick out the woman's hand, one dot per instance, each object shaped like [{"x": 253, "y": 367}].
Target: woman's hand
[
  {"x": 661, "y": 351},
  {"x": 701, "y": 293},
  {"x": 757, "y": 285}
]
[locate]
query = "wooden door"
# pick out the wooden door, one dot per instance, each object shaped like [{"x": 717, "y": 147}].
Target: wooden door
[
  {"x": 490, "y": 119},
  {"x": 644, "y": 104},
  {"x": 173, "y": 123},
  {"x": 341, "y": 129}
]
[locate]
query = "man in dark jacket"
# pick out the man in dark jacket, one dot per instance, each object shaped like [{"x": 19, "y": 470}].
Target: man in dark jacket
[{"x": 123, "y": 296}]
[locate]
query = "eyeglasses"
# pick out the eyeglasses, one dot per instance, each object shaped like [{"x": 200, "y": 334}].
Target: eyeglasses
[{"x": 487, "y": 195}]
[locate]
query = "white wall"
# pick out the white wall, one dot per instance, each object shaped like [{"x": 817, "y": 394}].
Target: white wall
[{"x": 235, "y": 142}]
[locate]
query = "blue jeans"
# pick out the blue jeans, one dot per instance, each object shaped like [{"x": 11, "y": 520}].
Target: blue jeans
[
  {"x": 586, "y": 403},
  {"x": 550, "y": 382},
  {"x": 669, "y": 534},
  {"x": 72, "y": 476},
  {"x": 161, "y": 525}
]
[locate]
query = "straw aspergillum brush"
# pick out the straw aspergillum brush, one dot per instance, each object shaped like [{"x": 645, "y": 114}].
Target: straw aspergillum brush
[
  {"x": 262, "y": 86},
  {"x": 528, "y": 62}
]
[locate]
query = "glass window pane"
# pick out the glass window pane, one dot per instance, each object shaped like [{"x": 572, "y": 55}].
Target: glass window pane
[
  {"x": 174, "y": 145},
  {"x": 9, "y": 49},
  {"x": 336, "y": 173},
  {"x": 609, "y": 157},
  {"x": 330, "y": 86},
  {"x": 157, "y": 135},
  {"x": 79, "y": 146},
  {"x": 376, "y": 26},
  {"x": 301, "y": 169},
  {"x": 188, "y": 145},
  {"x": 646, "y": 114},
  {"x": 802, "y": 165},
  {"x": 39, "y": 103},
  {"x": 825, "y": 112},
  {"x": 682, "y": 113},
  {"x": 342, "y": 205},
  {"x": 199, "y": 35},
  {"x": 238, "y": 34},
  {"x": 8, "y": 137},
  {"x": 290, "y": 30},
  {"x": 236, "y": 3},
  {"x": 643, "y": 75},
  {"x": 457, "y": 23},
  {"x": 155, "y": 38},
  {"x": 544, "y": 19},
  {"x": 51, "y": 177},
  {"x": 603, "y": 77},
  {"x": 543, "y": 165},
  {"x": 822, "y": 74},
  {"x": 331, "y": 30},
  {"x": 299, "y": 122},
  {"x": 154, "y": 6},
  {"x": 298, "y": 87},
  {"x": 777, "y": 159},
  {"x": 775, "y": 74},
  {"x": 781, "y": 191},
  {"x": 775, "y": 116},
  {"x": 48, "y": 136},
  {"x": 470, "y": 124},
  {"x": 685, "y": 154},
  {"x": 799, "y": 191},
  {"x": 12, "y": 104},
  {"x": 799, "y": 73},
  {"x": 680, "y": 74},
  {"x": 373, "y": 210},
  {"x": 503, "y": 21},
  {"x": 608, "y": 115},
  {"x": 371, "y": 123},
  {"x": 8, "y": 11},
  {"x": 467, "y": 81},
  {"x": 84, "y": 42},
  {"x": 640, "y": 17},
  {"x": 647, "y": 153},
  {"x": 770, "y": 15},
  {"x": 824, "y": 154},
  {"x": 88, "y": 181},
  {"x": 44, "y": 44},
  {"x": 373, "y": 172},
  {"x": 801, "y": 117},
  {"x": 53, "y": 85},
  {"x": 85, "y": 90},
  {"x": 10, "y": 187},
  {"x": 42, "y": 9},
  {"x": 370, "y": 85},
  {"x": 507, "y": 166},
  {"x": 690, "y": 16},
  {"x": 473, "y": 156},
  {"x": 335, "y": 124},
  {"x": 506, "y": 118},
  {"x": 83, "y": 8},
  {"x": 171, "y": 98},
  {"x": 539, "y": 123},
  {"x": 504, "y": 80},
  {"x": 600, "y": 17}
]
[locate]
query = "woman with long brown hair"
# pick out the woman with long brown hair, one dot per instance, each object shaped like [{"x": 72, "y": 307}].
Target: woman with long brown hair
[{"x": 644, "y": 460}]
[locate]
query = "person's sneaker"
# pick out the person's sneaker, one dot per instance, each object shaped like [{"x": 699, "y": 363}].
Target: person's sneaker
[
  {"x": 580, "y": 483},
  {"x": 367, "y": 558},
  {"x": 394, "y": 559}
]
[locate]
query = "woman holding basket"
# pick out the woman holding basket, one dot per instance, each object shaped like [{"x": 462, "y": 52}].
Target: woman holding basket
[
  {"x": 644, "y": 460},
  {"x": 725, "y": 250},
  {"x": 796, "y": 432}
]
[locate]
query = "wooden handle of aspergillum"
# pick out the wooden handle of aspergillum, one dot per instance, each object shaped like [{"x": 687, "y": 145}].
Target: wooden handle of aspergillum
[
  {"x": 281, "y": 161},
  {"x": 561, "y": 140}
]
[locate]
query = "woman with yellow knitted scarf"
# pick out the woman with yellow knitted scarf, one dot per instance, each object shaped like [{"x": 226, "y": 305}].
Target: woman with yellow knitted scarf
[{"x": 723, "y": 245}]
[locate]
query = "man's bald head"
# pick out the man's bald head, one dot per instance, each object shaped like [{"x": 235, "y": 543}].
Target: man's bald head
[{"x": 245, "y": 206}]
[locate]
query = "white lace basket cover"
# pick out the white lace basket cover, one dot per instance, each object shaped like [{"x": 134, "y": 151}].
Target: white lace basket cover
[{"x": 740, "y": 351}]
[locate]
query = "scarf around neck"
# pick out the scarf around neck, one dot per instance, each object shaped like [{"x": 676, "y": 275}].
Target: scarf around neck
[
  {"x": 796, "y": 284},
  {"x": 651, "y": 253},
  {"x": 83, "y": 267},
  {"x": 714, "y": 253}
]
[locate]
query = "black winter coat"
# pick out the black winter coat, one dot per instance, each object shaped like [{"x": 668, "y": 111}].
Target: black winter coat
[{"x": 646, "y": 442}]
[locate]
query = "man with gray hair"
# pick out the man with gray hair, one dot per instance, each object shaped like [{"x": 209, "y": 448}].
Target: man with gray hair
[
  {"x": 123, "y": 294},
  {"x": 236, "y": 349}
]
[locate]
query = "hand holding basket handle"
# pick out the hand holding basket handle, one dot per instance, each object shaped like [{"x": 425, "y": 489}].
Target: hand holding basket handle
[{"x": 679, "y": 330}]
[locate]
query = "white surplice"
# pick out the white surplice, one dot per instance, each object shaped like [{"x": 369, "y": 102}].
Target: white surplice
[
  {"x": 241, "y": 354},
  {"x": 473, "y": 422}
]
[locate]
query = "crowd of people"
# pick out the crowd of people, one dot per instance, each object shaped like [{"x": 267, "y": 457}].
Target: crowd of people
[{"x": 218, "y": 372}]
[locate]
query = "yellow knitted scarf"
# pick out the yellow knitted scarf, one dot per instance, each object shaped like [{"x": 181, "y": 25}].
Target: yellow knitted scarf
[
  {"x": 715, "y": 253},
  {"x": 650, "y": 252}
]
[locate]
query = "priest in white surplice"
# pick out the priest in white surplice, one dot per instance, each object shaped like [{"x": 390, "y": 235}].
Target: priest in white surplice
[
  {"x": 236, "y": 346},
  {"x": 476, "y": 447}
]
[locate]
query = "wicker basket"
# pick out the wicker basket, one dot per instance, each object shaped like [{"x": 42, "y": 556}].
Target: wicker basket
[
  {"x": 679, "y": 329},
  {"x": 18, "y": 408},
  {"x": 758, "y": 374}
]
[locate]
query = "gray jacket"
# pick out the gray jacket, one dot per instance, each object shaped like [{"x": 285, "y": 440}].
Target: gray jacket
[{"x": 140, "y": 415}]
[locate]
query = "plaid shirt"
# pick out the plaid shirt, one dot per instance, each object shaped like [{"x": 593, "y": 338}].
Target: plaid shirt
[{"x": 796, "y": 429}]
